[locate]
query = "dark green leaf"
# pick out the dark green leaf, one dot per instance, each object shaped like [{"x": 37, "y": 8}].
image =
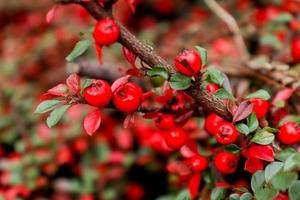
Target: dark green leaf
[
  {"x": 252, "y": 122},
  {"x": 203, "y": 54},
  {"x": 264, "y": 194},
  {"x": 158, "y": 71},
  {"x": 232, "y": 148},
  {"x": 263, "y": 137},
  {"x": 180, "y": 82},
  {"x": 257, "y": 180},
  {"x": 294, "y": 191},
  {"x": 272, "y": 169},
  {"x": 218, "y": 193},
  {"x": 243, "y": 128},
  {"x": 224, "y": 94},
  {"x": 214, "y": 76},
  {"x": 261, "y": 94},
  {"x": 46, "y": 106},
  {"x": 79, "y": 49},
  {"x": 283, "y": 180},
  {"x": 56, "y": 115}
]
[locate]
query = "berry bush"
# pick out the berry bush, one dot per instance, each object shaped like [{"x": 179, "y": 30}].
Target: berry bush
[{"x": 150, "y": 99}]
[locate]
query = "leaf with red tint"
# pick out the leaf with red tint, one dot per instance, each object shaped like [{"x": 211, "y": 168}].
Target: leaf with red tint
[
  {"x": 99, "y": 53},
  {"x": 46, "y": 96},
  {"x": 178, "y": 167},
  {"x": 73, "y": 83},
  {"x": 194, "y": 184},
  {"x": 189, "y": 150},
  {"x": 283, "y": 95},
  {"x": 92, "y": 122},
  {"x": 231, "y": 107},
  {"x": 253, "y": 164},
  {"x": 184, "y": 117},
  {"x": 119, "y": 82},
  {"x": 130, "y": 56},
  {"x": 243, "y": 111},
  {"x": 50, "y": 14},
  {"x": 60, "y": 90},
  {"x": 129, "y": 121},
  {"x": 133, "y": 72},
  {"x": 168, "y": 95},
  {"x": 151, "y": 115},
  {"x": 148, "y": 94},
  {"x": 263, "y": 152}
]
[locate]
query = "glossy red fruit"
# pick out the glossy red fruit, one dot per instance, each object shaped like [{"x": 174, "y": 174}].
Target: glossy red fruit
[
  {"x": 260, "y": 107},
  {"x": 175, "y": 138},
  {"x": 227, "y": 133},
  {"x": 165, "y": 122},
  {"x": 212, "y": 88},
  {"x": 198, "y": 163},
  {"x": 188, "y": 62},
  {"x": 98, "y": 93},
  {"x": 106, "y": 32},
  {"x": 295, "y": 49},
  {"x": 127, "y": 98},
  {"x": 225, "y": 162},
  {"x": 289, "y": 133},
  {"x": 212, "y": 123}
]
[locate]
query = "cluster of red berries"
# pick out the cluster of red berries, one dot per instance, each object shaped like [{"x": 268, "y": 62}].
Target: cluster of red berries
[{"x": 126, "y": 98}]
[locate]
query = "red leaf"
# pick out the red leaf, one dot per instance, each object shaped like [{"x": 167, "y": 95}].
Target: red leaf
[
  {"x": 263, "y": 152},
  {"x": 194, "y": 184},
  {"x": 92, "y": 122},
  {"x": 178, "y": 167},
  {"x": 132, "y": 4},
  {"x": 243, "y": 111},
  {"x": 99, "y": 53},
  {"x": 130, "y": 56},
  {"x": 60, "y": 90},
  {"x": 253, "y": 164},
  {"x": 189, "y": 150},
  {"x": 148, "y": 94},
  {"x": 50, "y": 14},
  {"x": 73, "y": 83},
  {"x": 283, "y": 95},
  {"x": 129, "y": 121},
  {"x": 119, "y": 82}
]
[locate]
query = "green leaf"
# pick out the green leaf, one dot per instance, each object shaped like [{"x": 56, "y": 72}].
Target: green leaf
[
  {"x": 283, "y": 18},
  {"x": 180, "y": 82},
  {"x": 246, "y": 196},
  {"x": 218, "y": 193},
  {"x": 79, "y": 49},
  {"x": 263, "y": 137},
  {"x": 243, "y": 128},
  {"x": 292, "y": 162},
  {"x": 270, "y": 40},
  {"x": 272, "y": 169},
  {"x": 294, "y": 191},
  {"x": 46, "y": 106},
  {"x": 284, "y": 154},
  {"x": 158, "y": 71},
  {"x": 234, "y": 197},
  {"x": 183, "y": 195},
  {"x": 224, "y": 94},
  {"x": 56, "y": 115},
  {"x": 283, "y": 180},
  {"x": 289, "y": 118},
  {"x": 232, "y": 148},
  {"x": 203, "y": 54},
  {"x": 214, "y": 76},
  {"x": 261, "y": 94},
  {"x": 252, "y": 122},
  {"x": 257, "y": 180},
  {"x": 264, "y": 194}
]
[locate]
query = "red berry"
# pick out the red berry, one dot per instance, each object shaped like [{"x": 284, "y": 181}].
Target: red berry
[
  {"x": 295, "y": 49},
  {"x": 165, "y": 122},
  {"x": 175, "y": 138},
  {"x": 127, "y": 98},
  {"x": 188, "y": 62},
  {"x": 98, "y": 93},
  {"x": 227, "y": 133},
  {"x": 106, "y": 32},
  {"x": 212, "y": 88},
  {"x": 225, "y": 162},
  {"x": 198, "y": 163},
  {"x": 289, "y": 133},
  {"x": 212, "y": 123},
  {"x": 260, "y": 107}
]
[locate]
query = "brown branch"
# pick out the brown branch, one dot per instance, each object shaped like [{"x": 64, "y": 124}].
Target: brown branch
[{"x": 208, "y": 101}]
